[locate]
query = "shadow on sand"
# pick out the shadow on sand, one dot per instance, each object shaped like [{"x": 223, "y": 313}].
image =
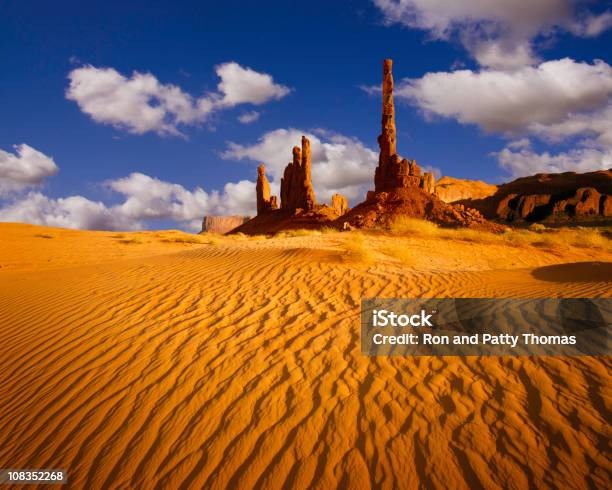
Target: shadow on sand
[{"x": 576, "y": 272}]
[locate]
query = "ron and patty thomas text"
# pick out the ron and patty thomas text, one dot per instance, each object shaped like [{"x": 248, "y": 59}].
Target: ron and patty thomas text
[{"x": 385, "y": 318}]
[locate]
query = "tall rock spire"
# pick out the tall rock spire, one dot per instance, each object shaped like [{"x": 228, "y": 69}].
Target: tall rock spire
[
  {"x": 393, "y": 172},
  {"x": 388, "y": 136},
  {"x": 387, "y": 141}
]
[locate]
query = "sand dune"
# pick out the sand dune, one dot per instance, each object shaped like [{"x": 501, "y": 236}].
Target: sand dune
[{"x": 237, "y": 364}]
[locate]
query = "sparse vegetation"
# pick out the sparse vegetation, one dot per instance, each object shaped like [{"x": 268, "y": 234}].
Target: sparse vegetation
[
  {"x": 132, "y": 241},
  {"x": 537, "y": 235},
  {"x": 185, "y": 239},
  {"x": 43, "y": 235},
  {"x": 298, "y": 232},
  {"x": 357, "y": 250},
  {"x": 406, "y": 225},
  {"x": 537, "y": 227}
]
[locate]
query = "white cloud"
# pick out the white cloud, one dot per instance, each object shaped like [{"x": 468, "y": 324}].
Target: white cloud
[
  {"x": 241, "y": 85},
  {"x": 595, "y": 126},
  {"x": 501, "y": 101},
  {"x": 556, "y": 101},
  {"x": 520, "y": 160},
  {"x": 497, "y": 33},
  {"x": 146, "y": 199},
  {"x": 150, "y": 198},
  {"x": 26, "y": 167},
  {"x": 69, "y": 212},
  {"x": 339, "y": 163},
  {"x": 248, "y": 117},
  {"x": 141, "y": 103}
]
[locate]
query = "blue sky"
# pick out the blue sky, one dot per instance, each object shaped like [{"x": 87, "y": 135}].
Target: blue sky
[{"x": 480, "y": 95}]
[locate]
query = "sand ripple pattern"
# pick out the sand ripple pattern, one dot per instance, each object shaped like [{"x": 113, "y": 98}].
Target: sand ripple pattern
[{"x": 223, "y": 368}]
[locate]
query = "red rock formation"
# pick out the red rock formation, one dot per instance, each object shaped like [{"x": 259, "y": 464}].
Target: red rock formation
[
  {"x": 222, "y": 224},
  {"x": 400, "y": 190},
  {"x": 583, "y": 203},
  {"x": 551, "y": 198},
  {"x": 527, "y": 204},
  {"x": 265, "y": 202},
  {"x": 388, "y": 137},
  {"x": 297, "y": 191},
  {"x": 605, "y": 208},
  {"x": 339, "y": 204},
  {"x": 393, "y": 172},
  {"x": 428, "y": 184},
  {"x": 450, "y": 189}
]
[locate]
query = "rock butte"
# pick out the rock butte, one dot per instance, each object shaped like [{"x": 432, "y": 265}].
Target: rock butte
[
  {"x": 222, "y": 224},
  {"x": 551, "y": 198}
]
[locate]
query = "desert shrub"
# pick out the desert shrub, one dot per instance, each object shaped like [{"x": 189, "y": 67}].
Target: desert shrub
[
  {"x": 521, "y": 238},
  {"x": 357, "y": 249},
  {"x": 189, "y": 239},
  {"x": 468, "y": 235},
  {"x": 257, "y": 238},
  {"x": 43, "y": 235},
  {"x": 406, "y": 225},
  {"x": 586, "y": 237},
  {"x": 131, "y": 241},
  {"x": 537, "y": 227},
  {"x": 302, "y": 232}
]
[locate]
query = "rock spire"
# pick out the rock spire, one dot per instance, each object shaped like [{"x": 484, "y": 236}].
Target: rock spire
[
  {"x": 297, "y": 191},
  {"x": 393, "y": 172}
]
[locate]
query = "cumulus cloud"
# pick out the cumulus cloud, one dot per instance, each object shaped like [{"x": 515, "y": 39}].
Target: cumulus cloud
[
  {"x": 496, "y": 33},
  {"x": 241, "y": 85},
  {"x": 500, "y": 101},
  {"x": 248, "y": 117},
  {"x": 149, "y": 198},
  {"x": 145, "y": 200},
  {"x": 339, "y": 163},
  {"x": 519, "y": 159},
  {"x": 26, "y": 167},
  {"x": 140, "y": 103},
  {"x": 70, "y": 212}
]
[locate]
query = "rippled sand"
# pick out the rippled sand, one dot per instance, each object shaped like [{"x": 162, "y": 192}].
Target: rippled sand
[{"x": 131, "y": 361}]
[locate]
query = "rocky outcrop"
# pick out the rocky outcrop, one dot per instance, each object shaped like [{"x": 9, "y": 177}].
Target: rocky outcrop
[
  {"x": 265, "y": 202},
  {"x": 339, "y": 204},
  {"x": 222, "y": 224},
  {"x": 400, "y": 190},
  {"x": 584, "y": 202},
  {"x": 605, "y": 208},
  {"x": 297, "y": 191},
  {"x": 551, "y": 198},
  {"x": 450, "y": 189},
  {"x": 394, "y": 172},
  {"x": 428, "y": 184}
]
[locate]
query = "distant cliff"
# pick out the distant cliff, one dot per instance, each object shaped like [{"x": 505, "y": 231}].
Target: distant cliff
[
  {"x": 565, "y": 197},
  {"x": 450, "y": 189},
  {"x": 222, "y": 224}
]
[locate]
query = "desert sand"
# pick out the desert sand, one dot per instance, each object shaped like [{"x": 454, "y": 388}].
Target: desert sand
[{"x": 156, "y": 359}]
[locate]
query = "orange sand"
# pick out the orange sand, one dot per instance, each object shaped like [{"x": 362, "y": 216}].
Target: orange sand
[{"x": 237, "y": 364}]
